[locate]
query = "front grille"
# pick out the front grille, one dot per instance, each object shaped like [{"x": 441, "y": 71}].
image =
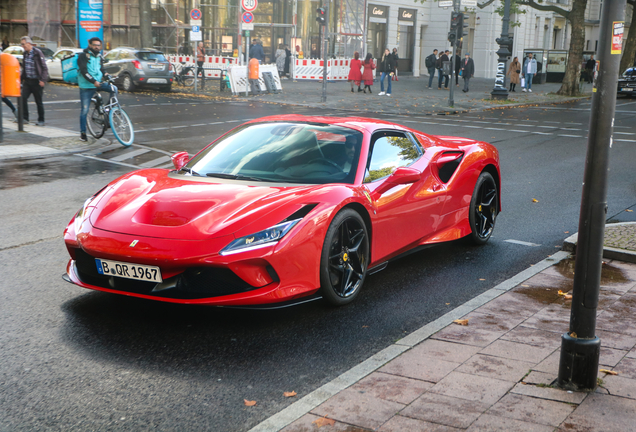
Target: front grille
[{"x": 194, "y": 283}]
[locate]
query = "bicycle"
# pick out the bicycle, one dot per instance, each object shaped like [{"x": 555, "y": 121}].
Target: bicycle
[
  {"x": 118, "y": 120},
  {"x": 184, "y": 75}
]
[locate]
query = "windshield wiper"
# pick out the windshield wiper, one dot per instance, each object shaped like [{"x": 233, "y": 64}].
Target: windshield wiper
[
  {"x": 191, "y": 171},
  {"x": 233, "y": 176}
]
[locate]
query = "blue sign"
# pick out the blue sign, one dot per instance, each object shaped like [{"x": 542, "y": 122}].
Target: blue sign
[
  {"x": 90, "y": 17},
  {"x": 196, "y": 29}
]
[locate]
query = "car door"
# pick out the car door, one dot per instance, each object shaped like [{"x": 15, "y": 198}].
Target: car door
[{"x": 405, "y": 213}]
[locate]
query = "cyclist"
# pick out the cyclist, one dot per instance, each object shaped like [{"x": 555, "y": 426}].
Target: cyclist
[{"x": 91, "y": 71}]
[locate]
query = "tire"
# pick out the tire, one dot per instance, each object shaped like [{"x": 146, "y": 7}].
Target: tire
[
  {"x": 484, "y": 206},
  {"x": 127, "y": 83},
  {"x": 96, "y": 120},
  {"x": 122, "y": 126},
  {"x": 344, "y": 258}
]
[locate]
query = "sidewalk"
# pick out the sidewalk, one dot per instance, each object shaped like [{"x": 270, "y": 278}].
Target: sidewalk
[
  {"x": 410, "y": 95},
  {"x": 496, "y": 372}
]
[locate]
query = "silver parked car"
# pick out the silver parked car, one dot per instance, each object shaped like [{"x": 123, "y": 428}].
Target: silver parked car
[
  {"x": 134, "y": 68},
  {"x": 17, "y": 51}
]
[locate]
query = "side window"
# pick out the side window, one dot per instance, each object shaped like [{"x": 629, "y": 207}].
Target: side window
[
  {"x": 111, "y": 55},
  {"x": 389, "y": 152}
]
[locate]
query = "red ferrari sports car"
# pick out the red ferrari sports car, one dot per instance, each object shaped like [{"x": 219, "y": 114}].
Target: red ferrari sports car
[{"x": 281, "y": 210}]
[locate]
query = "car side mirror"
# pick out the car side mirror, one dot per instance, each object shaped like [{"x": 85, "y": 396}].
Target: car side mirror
[
  {"x": 400, "y": 176},
  {"x": 180, "y": 159}
]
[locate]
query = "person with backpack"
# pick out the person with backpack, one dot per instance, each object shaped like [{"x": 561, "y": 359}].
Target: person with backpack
[
  {"x": 429, "y": 62},
  {"x": 440, "y": 67},
  {"x": 90, "y": 65}
]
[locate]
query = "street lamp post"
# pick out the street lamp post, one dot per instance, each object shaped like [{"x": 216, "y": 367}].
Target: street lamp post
[
  {"x": 580, "y": 347},
  {"x": 500, "y": 91}
]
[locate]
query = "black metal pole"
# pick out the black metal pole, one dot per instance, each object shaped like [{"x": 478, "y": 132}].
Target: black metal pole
[
  {"x": 580, "y": 347},
  {"x": 20, "y": 115},
  {"x": 500, "y": 91},
  {"x": 325, "y": 35},
  {"x": 459, "y": 34}
]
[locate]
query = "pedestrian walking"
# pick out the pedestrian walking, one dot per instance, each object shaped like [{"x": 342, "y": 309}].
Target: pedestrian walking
[
  {"x": 429, "y": 62},
  {"x": 458, "y": 67},
  {"x": 8, "y": 103},
  {"x": 440, "y": 65},
  {"x": 396, "y": 57},
  {"x": 34, "y": 76},
  {"x": 386, "y": 67},
  {"x": 90, "y": 64},
  {"x": 288, "y": 57},
  {"x": 355, "y": 76},
  {"x": 590, "y": 65},
  {"x": 513, "y": 73},
  {"x": 367, "y": 73},
  {"x": 468, "y": 70},
  {"x": 256, "y": 51},
  {"x": 280, "y": 56},
  {"x": 200, "y": 61},
  {"x": 528, "y": 71}
]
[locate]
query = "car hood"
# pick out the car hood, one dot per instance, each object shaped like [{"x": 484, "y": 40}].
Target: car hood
[{"x": 154, "y": 203}]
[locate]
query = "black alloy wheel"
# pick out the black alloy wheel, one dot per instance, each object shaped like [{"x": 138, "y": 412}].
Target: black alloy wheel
[
  {"x": 345, "y": 257},
  {"x": 484, "y": 207}
]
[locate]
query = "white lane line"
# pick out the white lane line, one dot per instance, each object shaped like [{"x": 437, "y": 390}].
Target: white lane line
[
  {"x": 129, "y": 155},
  {"x": 137, "y": 105},
  {"x": 519, "y": 242},
  {"x": 61, "y": 102},
  {"x": 575, "y": 129},
  {"x": 623, "y": 133},
  {"x": 215, "y": 123},
  {"x": 545, "y": 121},
  {"x": 572, "y": 123},
  {"x": 107, "y": 160},
  {"x": 547, "y": 127},
  {"x": 200, "y": 124},
  {"x": 158, "y": 161},
  {"x": 167, "y": 103},
  {"x": 570, "y": 136},
  {"x": 491, "y": 128},
  {"x": 232, "y": 121},
  {"x": 179, "y": 127},
  {"x": 163, "y": 128},
  {"x": 524, "y": 125},
  {"x": 542, "y": 133},
  {"x": 518, "y": 130},
  {"x": 473, "y": 127},
  {"x": 624, "y": 140},
  {"x": 148, "y": 104}
]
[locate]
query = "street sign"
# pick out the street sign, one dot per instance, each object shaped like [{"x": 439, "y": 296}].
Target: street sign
[
  {"x": 247, "y": 26},
  {"x": 445, "y": 3},
  {"x": 195, "y": 14},
  {"x": 196, "y": 29},
  {"x": 468, "y": 3},
  {"x": 196, "y": 36},
  {"x": 249, "y": 5},
  {"x": 248, "y": 17}
]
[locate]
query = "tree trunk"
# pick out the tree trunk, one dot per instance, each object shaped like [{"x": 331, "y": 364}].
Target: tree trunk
[
  {"x": 145, "y": 24},
  {"x": 570, "y": 86},
  {"x": 630, "y": 45}
]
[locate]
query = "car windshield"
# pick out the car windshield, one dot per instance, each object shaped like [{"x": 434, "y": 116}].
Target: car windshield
[
  {"x": 47, "y": 52},
  {"x": 150, "y": 56},
  {"x": 284, "y": 153}
]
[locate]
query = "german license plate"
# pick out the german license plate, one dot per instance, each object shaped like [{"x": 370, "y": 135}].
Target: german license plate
[
  {"x": 627, "y": 89},
  {"x": 157, "y": 67},
  {"x": 128, "y": 270},
  {"x": 156, "y": 81}
]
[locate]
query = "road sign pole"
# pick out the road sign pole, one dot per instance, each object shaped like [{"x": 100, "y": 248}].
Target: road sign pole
[
  {"x": 324, "y": 54},
  {"x": 247, "y": 62},
  {"x": 451, "y": 94},
  {"x": 580, "y": 347}
]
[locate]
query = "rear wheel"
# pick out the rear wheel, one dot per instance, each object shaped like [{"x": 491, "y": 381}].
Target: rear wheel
[
  {"x": 188, "y": 81},
  {"x": 122, "y": 126},
  {"x": 127, "y": 83},
  {"x": 96, "y": 120},
  {"x": 484, "y": 207},
  {"x": 344, "y": 259}
]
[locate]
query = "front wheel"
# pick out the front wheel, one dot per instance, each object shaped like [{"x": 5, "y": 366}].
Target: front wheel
[
  {"x": 344, "y": 259},
  {"x": 187, "y": 81},
  {"x": 484, "y": 207},
  {"x": 122, "y": 126},
  {"x": 96, "y": 120},
  {"x": 127, "y": 83}
]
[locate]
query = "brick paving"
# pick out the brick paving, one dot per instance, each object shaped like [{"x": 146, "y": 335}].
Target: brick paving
[
  {"x": 498, "y": 373},
  {"x": 621, "y": 236}
]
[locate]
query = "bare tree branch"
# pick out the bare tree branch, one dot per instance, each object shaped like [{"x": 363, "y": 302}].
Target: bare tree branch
[
  {"x": 489, "y": 2},
  {"x": 549, "y": 8}
]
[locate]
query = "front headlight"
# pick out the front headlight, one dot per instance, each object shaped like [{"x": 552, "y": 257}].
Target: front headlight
[
  {"x": 259, "y": 239},
  {"x": 79, "y": 217}
]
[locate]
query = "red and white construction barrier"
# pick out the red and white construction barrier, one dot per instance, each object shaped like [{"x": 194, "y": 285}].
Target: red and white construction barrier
[
  {"x": 312, "y": 69},
  {"x": 209, "y": 64}
]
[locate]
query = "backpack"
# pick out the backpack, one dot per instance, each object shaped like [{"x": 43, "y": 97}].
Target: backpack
[
  {"x": 430, "y": 61},
  {"x": 70, "y": 69}
]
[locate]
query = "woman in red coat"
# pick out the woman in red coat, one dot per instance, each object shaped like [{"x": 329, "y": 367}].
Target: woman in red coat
[
  {"x": 354, "y": 72},
  {"x": 367, "y": 75}
]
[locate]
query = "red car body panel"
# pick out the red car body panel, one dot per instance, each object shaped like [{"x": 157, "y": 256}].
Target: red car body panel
[{"x": 159, "y": 218}]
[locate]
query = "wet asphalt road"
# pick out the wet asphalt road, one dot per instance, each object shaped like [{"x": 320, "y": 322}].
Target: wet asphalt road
[{"x": 72, "y": 359}]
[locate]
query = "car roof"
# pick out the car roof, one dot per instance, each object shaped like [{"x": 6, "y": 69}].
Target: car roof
[{"x": 359, "y": 123}]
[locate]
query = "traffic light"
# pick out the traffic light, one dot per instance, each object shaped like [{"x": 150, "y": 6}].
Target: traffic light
[
  {"x": 455, "y": 17},
  {"x": 462, "y": 26},
  {"x": 452, "y": 36},
  {"x": 322, "y": 16}
]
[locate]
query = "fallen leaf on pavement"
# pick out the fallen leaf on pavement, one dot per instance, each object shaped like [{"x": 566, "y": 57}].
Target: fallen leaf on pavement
[
  {"x": 568, "y": 297},
  {"x": 463, "y": 322},
  {"x": 324, "y": 421},
  {"x": 290, "y": 394},
  {"x": 535, "y": 200},
  {"x": 609, "y": 372},
  {"x": 249, "y": 403},
  {"x": 628, "y": 210},
  {"x": 481, "y": 279},
  {"x": 561, "y": 293}
]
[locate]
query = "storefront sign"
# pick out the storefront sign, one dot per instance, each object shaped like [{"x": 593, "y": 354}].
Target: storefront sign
[
  {"x": 378, "y": 11},
  {"x": 90, "y": 21},
  {"x": 407, "y": 14},
  {"x": 617, "y": 37}
]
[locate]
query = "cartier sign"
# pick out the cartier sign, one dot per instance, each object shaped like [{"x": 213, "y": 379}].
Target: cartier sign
[
  {"x": 378, "y": 11},
  {"x": 407, "y": 14}
]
